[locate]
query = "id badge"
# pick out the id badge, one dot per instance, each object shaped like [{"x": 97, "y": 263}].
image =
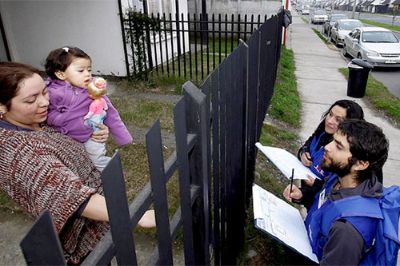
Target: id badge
[{"x": 321, "y": 199}]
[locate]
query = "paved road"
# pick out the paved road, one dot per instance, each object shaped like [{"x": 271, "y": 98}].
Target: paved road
[{"x": 390, "y": 78}]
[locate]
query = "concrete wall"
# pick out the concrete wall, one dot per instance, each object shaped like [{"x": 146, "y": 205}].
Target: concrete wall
[
  {"x": 242, "y": 7},
  {"x": 34, "y": 28}
]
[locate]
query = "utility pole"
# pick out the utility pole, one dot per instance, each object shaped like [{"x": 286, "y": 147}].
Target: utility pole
[{"x": 354, "y": 9}]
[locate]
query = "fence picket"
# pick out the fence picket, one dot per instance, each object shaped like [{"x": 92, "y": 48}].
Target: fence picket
[
  {"x": 118, "y": 211},
  {"x": 184, "y": 179},
  {"x": 42, "y": 237},
  {"x": 158, "y": 185}
]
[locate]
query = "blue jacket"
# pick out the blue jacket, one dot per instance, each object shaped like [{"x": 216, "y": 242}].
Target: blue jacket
[
  {"x": 317, "y": 155},
  {"x": 353, "y": 209}
]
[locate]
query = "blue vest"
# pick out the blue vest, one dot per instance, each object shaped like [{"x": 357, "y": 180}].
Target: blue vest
[
  {"x": 363, "y": 213},
  {"x": 317, "y": 155}
]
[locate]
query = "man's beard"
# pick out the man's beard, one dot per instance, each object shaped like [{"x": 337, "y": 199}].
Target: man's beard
[{"x": 337, "y": 168}]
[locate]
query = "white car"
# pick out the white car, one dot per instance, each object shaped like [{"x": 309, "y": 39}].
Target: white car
[
  {"x": 378, "y": 46},
  {"x": 341, "y": 28},
  {"x": 305, "y": 10},
  {"x": 319, "y": 16}
]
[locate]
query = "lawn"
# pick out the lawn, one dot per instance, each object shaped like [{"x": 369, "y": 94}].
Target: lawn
[{"x": 379, "y": 24}]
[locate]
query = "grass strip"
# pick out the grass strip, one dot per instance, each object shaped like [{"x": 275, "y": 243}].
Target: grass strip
[
  {"x": 321, "y": 36},
  {"x": 380, "y": 24},
  {"x": 285, "y": 103}
]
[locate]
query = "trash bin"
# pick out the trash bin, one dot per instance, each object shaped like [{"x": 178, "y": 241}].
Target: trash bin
[{"x": 358, "y": 77}]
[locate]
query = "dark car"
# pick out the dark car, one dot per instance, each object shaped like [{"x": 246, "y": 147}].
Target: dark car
[{"x": 331, "y": 20}]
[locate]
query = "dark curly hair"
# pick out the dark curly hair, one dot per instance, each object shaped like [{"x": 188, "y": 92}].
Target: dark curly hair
[
  {"x": 367, "y": 143},
  {"x": 59, "y": 59}
]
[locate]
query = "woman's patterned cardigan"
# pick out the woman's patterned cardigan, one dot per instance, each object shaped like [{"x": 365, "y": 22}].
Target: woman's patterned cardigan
[{"x": 45, "y": 170}]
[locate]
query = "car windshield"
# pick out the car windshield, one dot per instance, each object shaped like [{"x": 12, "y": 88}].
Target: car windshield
[
  {"x": 337, "y": 17},
  {"x": 349, "y": 25},
  {"x": 379, "y": 36}
]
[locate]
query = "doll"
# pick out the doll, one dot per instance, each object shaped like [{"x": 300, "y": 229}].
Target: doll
[{"x": 98, "y": 108}]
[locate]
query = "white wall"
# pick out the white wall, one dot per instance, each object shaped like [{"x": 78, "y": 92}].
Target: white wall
[
  {"x": 242, "y": 7},
  {"x": 34, "y": 28}
]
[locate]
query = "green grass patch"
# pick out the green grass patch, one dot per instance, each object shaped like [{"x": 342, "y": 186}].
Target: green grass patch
[
  {"x": 142, "y": 113},
  {"x": 285, "y": 103},
  {"x": 380, "y": 24},
  {"x": 379, "y": 96},
  {"x": 321, "y": 36}
]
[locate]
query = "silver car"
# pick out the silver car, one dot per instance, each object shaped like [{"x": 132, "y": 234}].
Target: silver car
[
  {"x": 331, "y": 21},
  {"x": 378, "y": 46},
  {"x": 341, "y": 28}
]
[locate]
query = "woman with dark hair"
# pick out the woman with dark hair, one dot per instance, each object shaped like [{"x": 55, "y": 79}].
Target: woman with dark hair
[
  {"x": 311, "y": 153},
  {"x": 42, "y": 169}
]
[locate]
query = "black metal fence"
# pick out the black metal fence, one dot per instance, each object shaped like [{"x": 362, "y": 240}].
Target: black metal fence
[
  {"x": 185, "y": 45},
  {"x": 216, "y": 129}
]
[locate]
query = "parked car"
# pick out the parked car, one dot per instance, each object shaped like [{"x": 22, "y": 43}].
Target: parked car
[
  {"x": 331, "y": 21},
  {"x": 378, "y": 46},
  {"x": 341, "y": 28},
  {"x": 305, "y": 10},
  {"x": 319, "y": 16}
]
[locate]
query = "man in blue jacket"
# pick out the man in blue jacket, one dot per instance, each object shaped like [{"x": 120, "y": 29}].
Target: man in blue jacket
[{"x": 357, "y": 151}]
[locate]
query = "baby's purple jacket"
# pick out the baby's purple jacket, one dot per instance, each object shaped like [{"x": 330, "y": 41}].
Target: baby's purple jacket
[{"x": 69, "y": 105}]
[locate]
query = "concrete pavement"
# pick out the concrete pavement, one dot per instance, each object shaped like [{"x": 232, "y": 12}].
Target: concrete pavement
[{"x": 320, "y": 84}]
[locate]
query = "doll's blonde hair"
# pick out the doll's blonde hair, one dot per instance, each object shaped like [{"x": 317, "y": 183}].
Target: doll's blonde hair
[{"x": 94, "y": 91}]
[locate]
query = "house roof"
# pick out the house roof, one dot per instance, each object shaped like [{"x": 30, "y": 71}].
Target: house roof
[
  {"x": 385, "y": 2},
  {"x": 376, "y": 3},
  {"x": 396, "y": 2},
  {"x": 369, "y": 2}
]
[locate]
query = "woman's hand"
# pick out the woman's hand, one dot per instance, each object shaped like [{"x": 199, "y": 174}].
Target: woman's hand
[
  {"x": 306, "y": 159},
  {"x": 101, "y": 136},
  {"x": 294, "y": 194},
  {"x": 309, "y": 181}
]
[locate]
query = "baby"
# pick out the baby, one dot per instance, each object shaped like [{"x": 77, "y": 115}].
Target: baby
[{"x": 69, "y": 71}]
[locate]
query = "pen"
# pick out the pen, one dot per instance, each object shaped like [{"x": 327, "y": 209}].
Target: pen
[{"x": 291, "y": 180}]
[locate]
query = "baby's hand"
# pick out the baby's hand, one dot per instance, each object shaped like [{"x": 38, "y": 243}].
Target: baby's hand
[{"x": 101, "y": 136}]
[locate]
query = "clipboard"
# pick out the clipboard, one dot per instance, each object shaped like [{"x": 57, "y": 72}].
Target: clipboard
[
  {"x": 282, "y": 221},
  {"x": 285, "y": 162}
]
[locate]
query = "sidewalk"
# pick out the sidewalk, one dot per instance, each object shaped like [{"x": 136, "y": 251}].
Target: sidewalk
[{"x": 320, "y": 84}]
